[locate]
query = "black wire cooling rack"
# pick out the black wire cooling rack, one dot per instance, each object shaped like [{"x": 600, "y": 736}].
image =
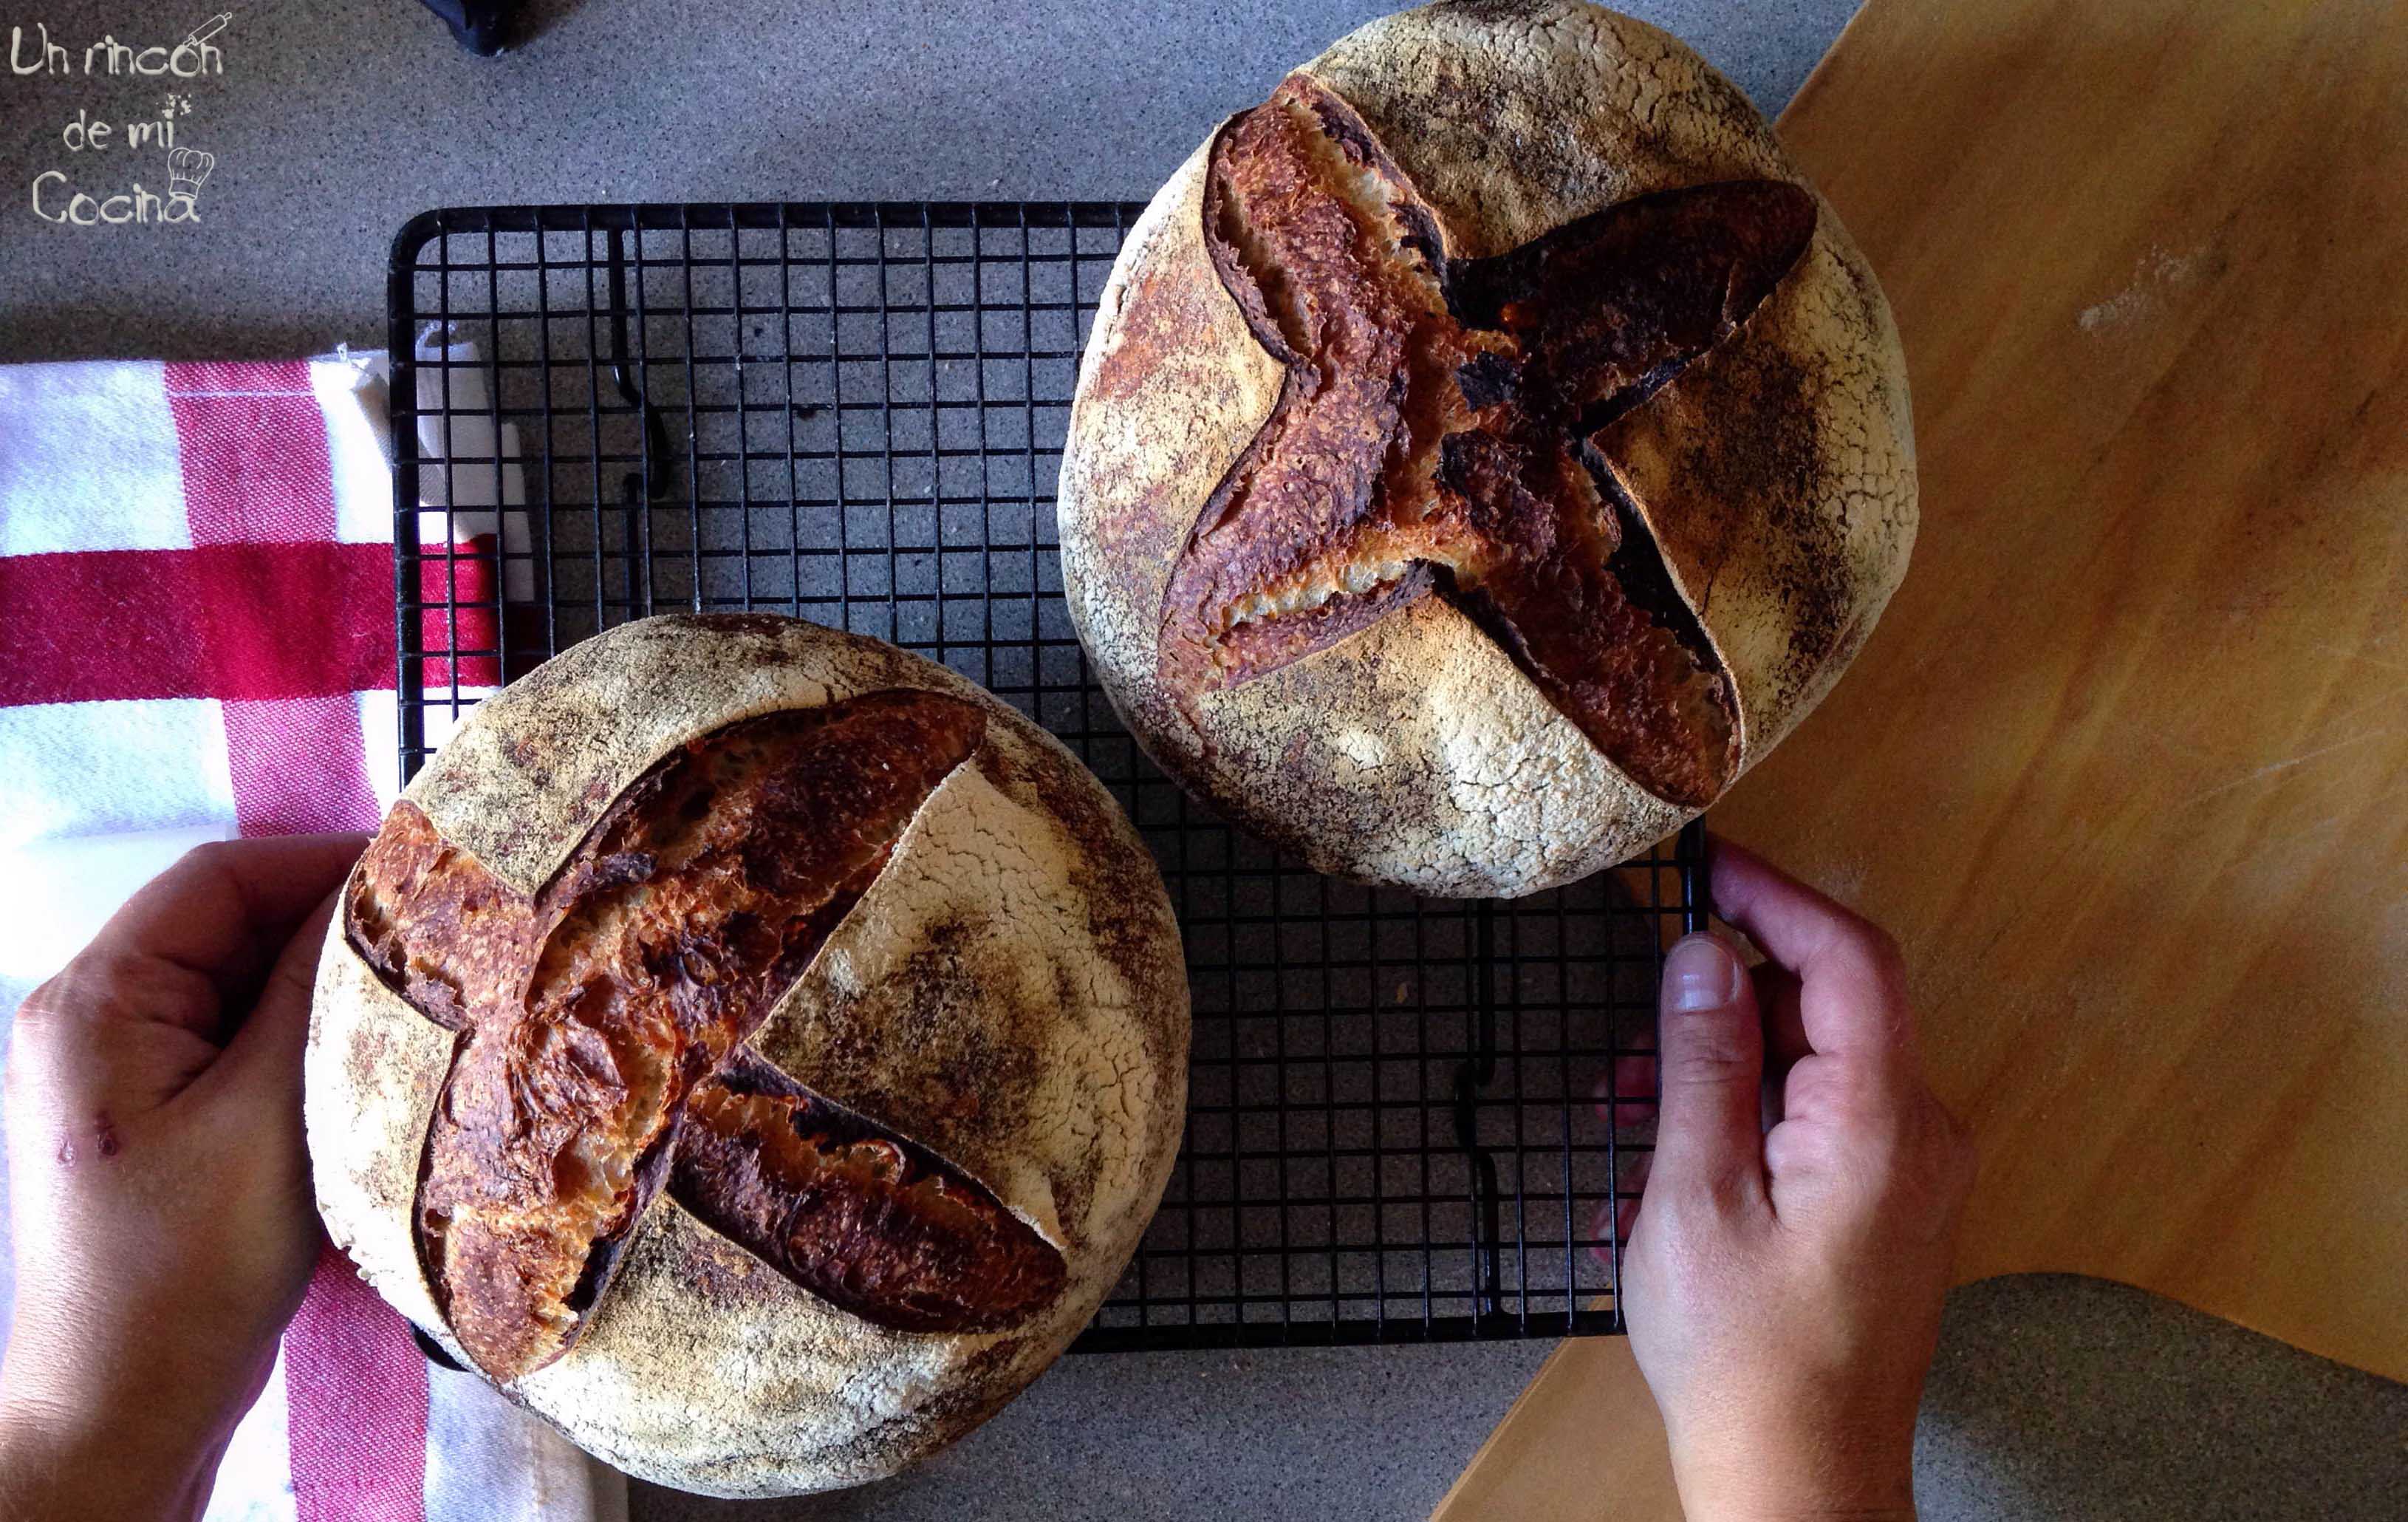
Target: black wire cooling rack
[{"x": 853, "y": 413}]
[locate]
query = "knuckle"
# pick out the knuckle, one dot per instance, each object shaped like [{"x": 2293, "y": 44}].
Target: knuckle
[
  {"x": 1707, "y": 1067},
  {"x": 1815, "y": 1082},
  {"x": 73, "y": 993},
  {"x": 211, "y": 858},
  {"x": 46, "y": 1030},
  {"x": 1833, "y": 1092},
  {"x": 96, "y": 988},
  {"x": 1709, "y": 1049},
  {"x": 1789, "y": 1148},
  {"x": 42, "y": 1004}
]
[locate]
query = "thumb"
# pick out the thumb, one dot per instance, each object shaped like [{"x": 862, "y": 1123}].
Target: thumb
[{"x": 1710, "y": 1125}]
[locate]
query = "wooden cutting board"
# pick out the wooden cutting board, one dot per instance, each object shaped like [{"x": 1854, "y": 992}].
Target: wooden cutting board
[{"x": 2126, "y": 768}]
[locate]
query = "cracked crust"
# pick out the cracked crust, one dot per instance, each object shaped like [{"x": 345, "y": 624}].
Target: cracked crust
[
  {"x": 1775, "y": 473},
  {"x": 601, "y": 1058},
  {"x": 1008, "y": 992}
]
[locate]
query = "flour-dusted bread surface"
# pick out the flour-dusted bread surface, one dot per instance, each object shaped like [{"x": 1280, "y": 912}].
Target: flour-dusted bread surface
[
  {"x": 1007, "y": 993},
  {"x": 1773, "y": 473}
]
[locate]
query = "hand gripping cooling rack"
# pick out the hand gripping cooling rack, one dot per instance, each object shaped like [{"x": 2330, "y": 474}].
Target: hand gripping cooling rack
[{"x": 1398, "y": 1106}]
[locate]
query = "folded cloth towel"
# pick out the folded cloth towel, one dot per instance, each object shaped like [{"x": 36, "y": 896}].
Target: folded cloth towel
[{"x": 196, "y": 572}]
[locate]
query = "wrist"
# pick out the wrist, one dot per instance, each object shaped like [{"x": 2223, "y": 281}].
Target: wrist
[
  {"x": 1756, "y": 1502},
  {"x": 1791, "y": 1479},
  {"x": 88, "y": 1430},
  {"x": 1788, "y": 1509},
  {"x": 1711, "y": 1512},
  {"x": 65, "y": 1466}
]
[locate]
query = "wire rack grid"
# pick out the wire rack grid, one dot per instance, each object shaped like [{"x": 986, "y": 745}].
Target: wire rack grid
[{"x": 1406, "y": 1116}]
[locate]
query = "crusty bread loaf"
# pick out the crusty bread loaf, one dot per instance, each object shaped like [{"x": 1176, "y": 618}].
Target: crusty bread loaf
[
  {"x": 756, "y": 1049},
  {"x": 1487, "y": 448}
]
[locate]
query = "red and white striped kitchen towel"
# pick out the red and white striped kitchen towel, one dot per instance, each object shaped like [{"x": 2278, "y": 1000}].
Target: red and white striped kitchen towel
[{"x": 196, "y": 639}]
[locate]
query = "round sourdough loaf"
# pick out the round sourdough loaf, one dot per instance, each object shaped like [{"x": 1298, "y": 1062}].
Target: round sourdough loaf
[
  {"x": 756, "y": 1049},
  {"x": 1486, "y": 450}
]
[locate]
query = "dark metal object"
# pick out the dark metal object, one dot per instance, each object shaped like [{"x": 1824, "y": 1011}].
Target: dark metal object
[
  {"x": 482, "y": 26},
  {"x": 855, "y": 413},
  {"x": 431, "y": 1350}
]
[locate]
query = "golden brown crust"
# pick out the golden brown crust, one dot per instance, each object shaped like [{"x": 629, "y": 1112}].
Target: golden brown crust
[
  {"x": 596, "y": 1007},
  {"x": 1320, "y": 522},
  {"x": 1005, "y": 1006},
  {"x": 861, "y": 1216},
  {"x": 1430, "y": 437},
  {"x": 1531, "y": 126},
  {"x": 1171, "y": 391}
]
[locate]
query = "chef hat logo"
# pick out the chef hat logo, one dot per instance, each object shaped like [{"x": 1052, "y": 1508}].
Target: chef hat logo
[{"x": 186, "y": 168}]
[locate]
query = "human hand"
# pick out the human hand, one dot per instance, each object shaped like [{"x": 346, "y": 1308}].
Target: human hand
[
  {"x": 162, "y": 1218},
  {"x": 1783, "y": 1285}
]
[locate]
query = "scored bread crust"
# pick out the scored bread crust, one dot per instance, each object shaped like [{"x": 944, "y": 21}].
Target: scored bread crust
[
  {"x": 1776, "y": 472},
  {"x": 1009, "y": 993}
]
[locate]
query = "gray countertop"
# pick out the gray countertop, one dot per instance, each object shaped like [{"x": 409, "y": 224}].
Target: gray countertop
[
  {"x": 2053, "y": 1396},
  {"x": 333, "y": 123}
]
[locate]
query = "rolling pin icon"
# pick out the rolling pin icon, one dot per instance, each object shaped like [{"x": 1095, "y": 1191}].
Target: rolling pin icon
[{"x": 207, "y": 30}]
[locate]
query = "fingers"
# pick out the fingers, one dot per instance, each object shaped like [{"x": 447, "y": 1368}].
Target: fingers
[
  {"x": 1852, "y": 995},
  {"x": 221, "y": 913},
  {"x": 1711, "y": 1061},
  {"x": 1626, "y": 1099},
  {"x": 263, "y": 1061}
]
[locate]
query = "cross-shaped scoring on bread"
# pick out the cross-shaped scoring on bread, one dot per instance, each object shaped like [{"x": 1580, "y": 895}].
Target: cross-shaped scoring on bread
[
  {"x": 1433, "y": 433},
  {"x": 603, "y": 1021}
]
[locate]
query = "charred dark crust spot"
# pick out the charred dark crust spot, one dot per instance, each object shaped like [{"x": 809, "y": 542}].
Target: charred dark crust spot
[
  {"x": 1433, "y": 431},
  {"x": 1613, "y": 306},
  {"x": 594, "y": 1014},
  {"x": 1488, "y": 380}
]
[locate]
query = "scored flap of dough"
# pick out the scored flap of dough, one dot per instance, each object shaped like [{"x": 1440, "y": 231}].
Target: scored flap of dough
[
  {"x": 1173, "y": 389},
  {"x": 536, "y": 764},
  {"x": 960, "y": 1002},
  {"x": 1777, "y": 475}
]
